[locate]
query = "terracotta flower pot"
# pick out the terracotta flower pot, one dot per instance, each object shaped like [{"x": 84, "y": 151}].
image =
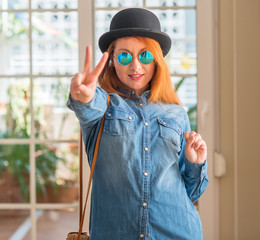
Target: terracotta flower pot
[
  {"x": 64, "y": 194},
  {"x": 10, "y": 189}
]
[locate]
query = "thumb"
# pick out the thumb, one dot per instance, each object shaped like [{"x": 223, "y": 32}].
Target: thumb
[{"x": 189, "y": 139}]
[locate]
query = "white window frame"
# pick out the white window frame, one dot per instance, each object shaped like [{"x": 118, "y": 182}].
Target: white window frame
[{"x": 208, "y": 109}]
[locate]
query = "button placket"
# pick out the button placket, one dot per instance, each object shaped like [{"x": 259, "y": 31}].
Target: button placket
[{"x": 145, "y": 165}]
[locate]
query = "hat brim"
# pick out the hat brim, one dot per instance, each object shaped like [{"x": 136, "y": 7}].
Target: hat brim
[{"x": 162, "y": 38}]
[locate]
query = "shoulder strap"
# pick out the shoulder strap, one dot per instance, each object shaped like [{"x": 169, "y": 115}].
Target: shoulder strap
[{"x": 82, "y": 214}]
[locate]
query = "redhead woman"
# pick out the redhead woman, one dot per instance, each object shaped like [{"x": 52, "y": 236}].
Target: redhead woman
[{"x": 150, "y": 167}]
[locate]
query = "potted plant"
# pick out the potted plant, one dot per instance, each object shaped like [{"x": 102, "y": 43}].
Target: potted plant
[{"x": 14, "y": 159}]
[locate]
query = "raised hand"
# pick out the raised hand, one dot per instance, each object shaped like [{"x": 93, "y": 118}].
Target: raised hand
[
  {"x": 83, "y": 85},
  {"x": 196, "y": 148}
]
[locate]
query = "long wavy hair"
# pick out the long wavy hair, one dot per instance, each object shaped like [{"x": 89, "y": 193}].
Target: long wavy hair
[{"x": 161, "y": 87}]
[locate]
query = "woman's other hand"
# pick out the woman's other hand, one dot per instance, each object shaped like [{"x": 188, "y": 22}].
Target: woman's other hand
[
  {"x": 196, "y": 148},
  {"x": 83, "y": 85}
]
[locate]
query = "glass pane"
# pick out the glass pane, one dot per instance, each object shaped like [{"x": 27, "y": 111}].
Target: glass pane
[
  {"x": 55, "y": 46},
  {"x": 14, "y": 4},
  {"x": 181, "y": 27},
  {"x": 15, "y": 224},
  {"x": 56, "y": 4},
  {"x": 53, "y": 119},
  {"x": 57, "y": 173},
  {"x": 187, "y": 91},
  {"x": 170, "y": 3},
  {"x": 14, "y": 43},
  {"x": 102, "y": 23},
  {"x": 15, "y": 116},
  {"x": 57, "y": 222},
  {"x": 118, "y": 3},
  {"x": 14, "y": 173}
]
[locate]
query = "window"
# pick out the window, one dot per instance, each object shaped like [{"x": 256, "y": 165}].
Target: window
[{"x": 38, "y": 134}]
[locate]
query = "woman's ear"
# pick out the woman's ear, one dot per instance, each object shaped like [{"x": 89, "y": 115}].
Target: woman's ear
[{"x": 111, "y": 62}]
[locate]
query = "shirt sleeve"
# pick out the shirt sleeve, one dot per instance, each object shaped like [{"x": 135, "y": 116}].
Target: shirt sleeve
[
  {"x": 194, "y": 174},
  {"x": 90, "y": 115}
]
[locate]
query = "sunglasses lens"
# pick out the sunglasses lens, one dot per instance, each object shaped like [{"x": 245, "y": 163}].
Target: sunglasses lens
[
  {"x": 124, "y": 58},
  {"x": 146, "y": 57}
]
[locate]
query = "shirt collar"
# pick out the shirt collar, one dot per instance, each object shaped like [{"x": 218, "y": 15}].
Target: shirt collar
[{"x": 130, "y": 93}]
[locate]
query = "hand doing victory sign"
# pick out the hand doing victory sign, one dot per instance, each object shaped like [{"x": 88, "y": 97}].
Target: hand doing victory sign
[{"x": 83, "y": 85}]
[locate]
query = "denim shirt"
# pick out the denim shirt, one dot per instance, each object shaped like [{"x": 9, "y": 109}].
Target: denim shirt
[{"x": 143, "y": 186}]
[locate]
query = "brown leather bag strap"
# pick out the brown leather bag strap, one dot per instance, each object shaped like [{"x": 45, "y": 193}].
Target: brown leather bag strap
[
  {"x": 82, "y": 214},
  {"x": 80, "y": 177}
]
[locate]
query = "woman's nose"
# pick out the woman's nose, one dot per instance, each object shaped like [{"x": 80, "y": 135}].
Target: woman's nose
[{"x": 135, "y": 64}]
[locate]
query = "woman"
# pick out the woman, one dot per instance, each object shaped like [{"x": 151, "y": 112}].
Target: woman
[{"x": 150, "y": 168}]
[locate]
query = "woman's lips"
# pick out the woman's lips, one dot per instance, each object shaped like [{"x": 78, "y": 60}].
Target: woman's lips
[{"x": 136, "y": 77}]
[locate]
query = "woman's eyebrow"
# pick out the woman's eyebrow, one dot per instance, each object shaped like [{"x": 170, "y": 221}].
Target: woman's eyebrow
[
  {"x": 126, "y": 50},
  {"x": 123, "y": 49}
]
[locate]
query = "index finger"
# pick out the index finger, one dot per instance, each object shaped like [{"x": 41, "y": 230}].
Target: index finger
[
  {"x": 88, "y": 60},
  {"x": 186, "y": 135}
]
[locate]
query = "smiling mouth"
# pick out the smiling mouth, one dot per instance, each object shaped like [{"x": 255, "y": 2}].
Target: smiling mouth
[{"x": 136, "y": 77}]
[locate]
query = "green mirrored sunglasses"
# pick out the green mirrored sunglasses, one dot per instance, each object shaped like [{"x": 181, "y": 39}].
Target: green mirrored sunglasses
[{"x": 124, "y": 58}]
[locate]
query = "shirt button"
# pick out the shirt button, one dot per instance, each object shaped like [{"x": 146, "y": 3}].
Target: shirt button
[
  {"x": 146, "y": 123},
  {"x": 130, "y": 118},
  {"x": 109, "y": 114},
  {"x": 164, "y": 123},
  {"x": 141, "y": 104},
  {"x": 144, "y": 204},
  {"x": 148, "y": 235},
  {"x": 141, "y": 235},
  {"x": 146, "y": 148},
  {"x": 145, "y": 173}
]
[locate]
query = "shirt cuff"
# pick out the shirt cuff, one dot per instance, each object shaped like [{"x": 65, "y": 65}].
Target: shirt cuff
[
  {"x": 95, "y": 103},
  {"x": 195, "y": 170}
]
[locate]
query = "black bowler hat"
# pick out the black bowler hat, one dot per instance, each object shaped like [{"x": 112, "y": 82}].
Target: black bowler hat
[{"x": 135, "y": 22}]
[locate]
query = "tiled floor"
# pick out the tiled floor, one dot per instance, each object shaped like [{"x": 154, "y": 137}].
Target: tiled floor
[
  {"x": 50, "y": 225},
  {"x": 10, "y": 221}
]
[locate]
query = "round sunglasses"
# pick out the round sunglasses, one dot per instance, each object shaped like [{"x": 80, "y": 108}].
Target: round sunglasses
[{"x": 124, "y": 58}]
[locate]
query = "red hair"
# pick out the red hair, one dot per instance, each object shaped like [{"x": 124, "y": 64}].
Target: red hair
[{"x": 160, "y": 84}]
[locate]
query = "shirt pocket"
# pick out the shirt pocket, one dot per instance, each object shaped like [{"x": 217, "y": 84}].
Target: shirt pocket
[
  {"x": 119, "y": 122},
  {"x": 171, "y": 131}
]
